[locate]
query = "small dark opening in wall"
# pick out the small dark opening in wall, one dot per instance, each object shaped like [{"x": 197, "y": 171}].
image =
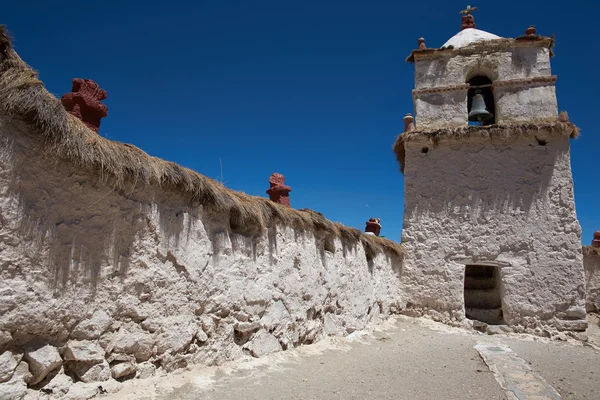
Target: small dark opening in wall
[
  {"x": 483, "y": 300},
  {"x": 542, "y": 142},
  {"x": 424, "y": 150}
]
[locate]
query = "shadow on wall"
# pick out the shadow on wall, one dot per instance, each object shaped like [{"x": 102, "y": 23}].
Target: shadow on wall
[
  {"x": 82, "y": 226},
  {"x": 523, "y": 60},
  {"x": 480, "y": 177},
  {"x": 83, "y": 222}
]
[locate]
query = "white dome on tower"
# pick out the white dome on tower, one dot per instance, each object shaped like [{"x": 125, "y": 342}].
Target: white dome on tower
[{"x": 469, "y": 36}]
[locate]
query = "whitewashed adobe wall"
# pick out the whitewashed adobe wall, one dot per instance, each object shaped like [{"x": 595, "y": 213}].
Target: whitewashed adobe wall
[
  {"x": 141, "y": 279},
  {"x": 591, "y": 263},
  {"x": 501, "y": 201},
  {"x": 503, "y": 65},
  {"x": 440, "y": 97}
]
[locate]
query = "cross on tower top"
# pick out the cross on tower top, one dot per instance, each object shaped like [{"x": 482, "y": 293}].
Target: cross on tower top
[
  {"x": 467, "y": 18},
  {"x": 468, "y": 10}
]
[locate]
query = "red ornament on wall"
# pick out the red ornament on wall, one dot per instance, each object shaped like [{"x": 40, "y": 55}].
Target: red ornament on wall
[
  {"x": 278, "y": 191},
  {"x": 84, "y": 102}
]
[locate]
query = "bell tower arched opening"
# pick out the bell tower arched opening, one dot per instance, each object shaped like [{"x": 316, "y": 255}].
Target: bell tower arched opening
[{"x": 480, "y": 101}]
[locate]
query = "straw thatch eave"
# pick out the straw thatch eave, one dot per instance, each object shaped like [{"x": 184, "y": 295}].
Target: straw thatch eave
[
  {"x": 483, "y": 47},
  {"x": 23, "y": 98},
  {"x": 472, "y": 132},
  {"x": 591, "y": 251}
]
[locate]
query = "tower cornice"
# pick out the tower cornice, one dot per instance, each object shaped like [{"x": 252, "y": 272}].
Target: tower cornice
[{"x": 487, "y": 46}]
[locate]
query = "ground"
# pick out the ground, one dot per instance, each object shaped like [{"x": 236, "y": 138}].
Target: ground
[{"x": 404, "y": 358}]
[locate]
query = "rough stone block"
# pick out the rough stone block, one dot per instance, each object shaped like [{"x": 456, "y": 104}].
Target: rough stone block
[
  {"x": 42, "y": 361},
  {"x": 22, "y": 371},
  {"x": 145, "y": 370},
  {"x": 94, "y": 327},
  {"x": 275, "y": 315},
  {"x": 81, "y": 391},
  {"x": 8, "y": 364},
  {"x": 14, "y": 389},
  {"x": 84, "y": 351},
  {"x": 59, "y": 385},
  {"x": 90, "y": 372},
  {"x": 176, "y": 338},
  {"x": 122, "y": 370},
  {"x": 576, "y": 325},
  {"x": 201, "y": 336},
  {"x": 138, "y": 344},
  {"x": 263, "y": 343}
]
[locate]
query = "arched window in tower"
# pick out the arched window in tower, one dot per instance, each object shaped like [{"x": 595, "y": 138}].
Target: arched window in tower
[{"x": 481, "y": 105}]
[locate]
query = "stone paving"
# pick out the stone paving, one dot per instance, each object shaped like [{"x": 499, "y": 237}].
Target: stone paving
[{"x": 408, "y": 358}]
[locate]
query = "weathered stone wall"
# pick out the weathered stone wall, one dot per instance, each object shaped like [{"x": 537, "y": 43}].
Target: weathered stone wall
[
  {"x": 506, "y": 202},
  {"x": 97, "y": 280},
  {"x": 591, "y": 263}
]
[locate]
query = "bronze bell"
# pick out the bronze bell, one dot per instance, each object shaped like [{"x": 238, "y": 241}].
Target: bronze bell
[{"x": 479, "y": 112}]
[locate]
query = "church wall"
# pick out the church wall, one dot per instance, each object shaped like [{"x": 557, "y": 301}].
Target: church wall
[
  {"x": 155, "y": 280},
  {"x": 522, "y": 103},
  {"x": 448, "y": 109},
  {"x": 506, "y": 202},
  {"x": 591, "y": 262},
  {"x": 514, "y": 103},
  {"x": 516, "y": 63}
]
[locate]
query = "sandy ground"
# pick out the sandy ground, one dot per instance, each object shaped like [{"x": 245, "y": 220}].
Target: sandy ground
[{"x": 404, "y": 358}]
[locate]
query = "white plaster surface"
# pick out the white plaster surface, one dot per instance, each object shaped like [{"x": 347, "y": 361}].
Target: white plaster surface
[
  {"x": 468, "y": 36},
  {"x": 522, "y": 102},
  {"x": 533, "y": 104},
  {"x": 504, "y": 202},
  {"x": 144, "y": 275},
  {"x": 591, "y": 263},
  {"x": 447, "y": 109},
  {"x": 517, "y": 63}
]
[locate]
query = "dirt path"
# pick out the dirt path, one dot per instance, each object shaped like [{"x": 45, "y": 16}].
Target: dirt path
[{"x": 404, "y": 359}]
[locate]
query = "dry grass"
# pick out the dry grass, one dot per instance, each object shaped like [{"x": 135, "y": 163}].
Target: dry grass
[
  {"x": 565, "y": 129},
  {"x": 591, "y": 251},
  {"x": 23, "y": 97}
]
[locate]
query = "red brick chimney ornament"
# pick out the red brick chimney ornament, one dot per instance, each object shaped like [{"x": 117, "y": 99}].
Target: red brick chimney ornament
[
  {"x": 467, "y": 20},
  {"x": 531, "y": 30},
  {"x": 596, "y": 240},
  {"x": 278, "y": 192},
  {"x": 373, "y": 226},
  {"x": 421, "y": 42},
  {"x": 84, "y": 102}
]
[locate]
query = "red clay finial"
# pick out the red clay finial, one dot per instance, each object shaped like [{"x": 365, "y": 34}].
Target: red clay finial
[
  {"x": 563, "y": 116},
  {"x": 84, "y": 102},
  {"x": 373, "y": 226},
  {"x": 531, "y": 30},
  {"x": 278, "y": 192},
  {"x": 408, "y": 122},
  {"x": 467, "y": 20},
  {"x": 596, "y": 241},
  {"x": 421, "y": 42}
]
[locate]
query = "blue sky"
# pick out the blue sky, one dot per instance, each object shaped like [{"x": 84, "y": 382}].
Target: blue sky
[{"x": 315, "y": 90}]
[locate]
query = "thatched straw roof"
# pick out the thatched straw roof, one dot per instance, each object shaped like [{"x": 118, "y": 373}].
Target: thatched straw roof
[
  {"x": 24, "y": 98},
  {"x": 483, "y": 47},
  {"x": 591, "y": 251},
  {"x": 566, "y": 129}
]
